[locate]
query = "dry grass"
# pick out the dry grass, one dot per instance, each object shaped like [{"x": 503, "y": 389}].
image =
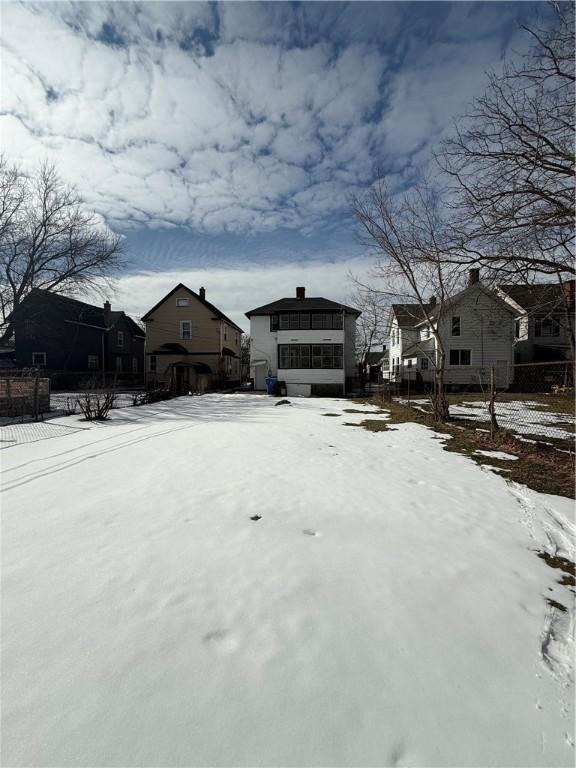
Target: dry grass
[{"x": 539, "y": 466}]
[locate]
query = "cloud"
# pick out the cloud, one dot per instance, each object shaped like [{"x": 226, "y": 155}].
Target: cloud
[
  {"x": 236, "y": 291},
  {"x": 237, "y": 117}
]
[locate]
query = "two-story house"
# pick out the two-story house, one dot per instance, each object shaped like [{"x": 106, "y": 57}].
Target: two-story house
[
  {"x": 476, "y": 329},
  {"x": 544, "y": 329},
  {"x": 62, "y": 334},
  {"x": 190, "y": 343},
  {"x": 308, "y": 343}
]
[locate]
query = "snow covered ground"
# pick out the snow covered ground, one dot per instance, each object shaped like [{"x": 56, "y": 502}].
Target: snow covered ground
[
  {"x": 524, "y": 417},
  {"x": 388, "y": 607}
]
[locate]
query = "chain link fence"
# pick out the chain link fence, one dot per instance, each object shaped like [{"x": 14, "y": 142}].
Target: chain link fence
[
  {"x": 31, "y": 394},
  {"x": 533, "y": 401}
]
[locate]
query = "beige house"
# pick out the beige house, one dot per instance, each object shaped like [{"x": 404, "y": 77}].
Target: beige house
[{"x": 190, "y": 343}]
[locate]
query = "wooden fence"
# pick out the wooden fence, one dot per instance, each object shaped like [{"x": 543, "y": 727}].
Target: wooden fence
[{"x": 24, "y": 396}]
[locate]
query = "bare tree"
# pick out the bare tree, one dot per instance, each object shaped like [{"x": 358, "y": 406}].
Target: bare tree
[
  {"x": 244, "y": 356},
  {"x": 48, "y": 239},
  {"x": 409, "y": 240},
  {"x": 372, "y": 325},
  {"x": 512, "y": 162}
]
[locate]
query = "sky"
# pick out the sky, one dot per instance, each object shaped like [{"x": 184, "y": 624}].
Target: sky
[{"x": 225, "y": 141}]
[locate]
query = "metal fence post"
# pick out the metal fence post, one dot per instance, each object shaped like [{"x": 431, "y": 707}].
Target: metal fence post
[{"x": 492, "y": 405}]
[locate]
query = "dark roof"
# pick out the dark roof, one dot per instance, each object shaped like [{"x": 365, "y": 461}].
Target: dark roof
[
  {"x": 75, "y": 311},
  {"x": 542, "y": 297},
  {"x": 373, "y": 358},
  {"x": 409, "y": 315},
  {"x": 423, "y": 345},
  {"x": 313, "y": 304},
  {"x": 207, "y": 304}
]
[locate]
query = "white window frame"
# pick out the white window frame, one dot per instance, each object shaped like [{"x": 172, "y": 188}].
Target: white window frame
[
  {"x": 189, "y": 324},
  {"x": 182, "y": 302},
  {"x": 37, "y": 364}
]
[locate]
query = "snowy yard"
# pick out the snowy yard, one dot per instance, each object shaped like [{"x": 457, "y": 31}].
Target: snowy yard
[
  {"x": 522, "y": 417},
  {"x": 389, "y": 607}
]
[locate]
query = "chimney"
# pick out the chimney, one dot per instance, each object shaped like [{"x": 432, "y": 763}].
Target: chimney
[
  {"x": 203, "y": 294},
  {"x": 432, "y": 301},
  {"x": 301, "y": 293},
  {"x": 473, "y": 276},
  {"x": 107, "y": 309},
  {"x": 568, "y": 287}
]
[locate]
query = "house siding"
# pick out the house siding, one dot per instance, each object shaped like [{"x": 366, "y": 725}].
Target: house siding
[
  {"x": 264, "y": 347},
  {"x": 205, "y": 346}
]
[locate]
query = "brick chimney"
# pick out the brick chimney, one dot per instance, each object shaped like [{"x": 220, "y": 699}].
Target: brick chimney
[
  {"x": 107, "y": 312},
  {"x": 301, "y": 293},
  {"x": 568, "y": 287},
  {"x": 473, "y": 276},
  {"x": 203, "y": 294}
]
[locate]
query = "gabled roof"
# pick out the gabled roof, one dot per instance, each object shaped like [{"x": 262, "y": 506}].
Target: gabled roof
[
  {"x": 207, "y": 304},
  {"x": 75, "y": 311},
  {"x": 453, "y": 300},
  {"x": 542, "y": 297},
  {"x": 313, "y": 304},
  {"x": 375, "y": 358},
  {"x": 423, "y": 346},
  {"x": 409, "y": 315}
]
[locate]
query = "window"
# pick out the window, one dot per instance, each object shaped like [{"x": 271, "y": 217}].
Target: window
[
  {"x": 273, "y": 322},
  {"x": 92, "y": 362},
  {"x": 134, "y": 365},
  {"x": 460, "y": 357},
  {"x": 185, "y": 329},
  {"x": 30, "y": 328},
  {"x": 182, "y": 302},
  {"x": 455, "y": 325},
  {"x": 38, "y": 358},
  {"x": 304, "y": 322},
  {"x": 225, "y": 332},
  {"x": 152, "y": 360},
  {"x": 517, "y": 329},
  {"x": 409, "y": 363},
  {"x": 546, "y": 326},
  {"x": 120, "y": 338},
  {"x": 427, "y": 333},
  {"x": 118, "y": 363},
  {"x": 284, "y": 322},
  {"x": 423, "y": 363},
  {"x": 310, "y": 356},
  {"x": 322, "y": 321}
]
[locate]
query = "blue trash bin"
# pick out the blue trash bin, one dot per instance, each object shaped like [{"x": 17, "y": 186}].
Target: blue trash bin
[{"x": 271, "y": 384}]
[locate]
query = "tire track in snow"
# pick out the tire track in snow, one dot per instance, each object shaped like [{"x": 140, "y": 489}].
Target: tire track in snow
[{"x": 80, "y": 460}]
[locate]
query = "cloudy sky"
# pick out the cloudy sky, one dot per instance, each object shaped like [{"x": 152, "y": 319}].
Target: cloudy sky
[{"x": 225, "y": 140}]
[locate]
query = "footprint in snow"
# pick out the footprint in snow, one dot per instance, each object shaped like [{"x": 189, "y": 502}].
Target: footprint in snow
[
  {"x": 222, "y": 641},
  {"x": 256, "y": 517},
  {"x": 310, "y": 532}
]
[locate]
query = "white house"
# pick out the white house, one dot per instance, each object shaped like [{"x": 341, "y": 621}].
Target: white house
[
  {"x": 476, "y": 327},
  {"x": 308, "y": 343}
]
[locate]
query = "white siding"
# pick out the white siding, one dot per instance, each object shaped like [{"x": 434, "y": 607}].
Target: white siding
[
  {"x": 486, "y": 329},
  {"x": 264, "y": 346}
]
